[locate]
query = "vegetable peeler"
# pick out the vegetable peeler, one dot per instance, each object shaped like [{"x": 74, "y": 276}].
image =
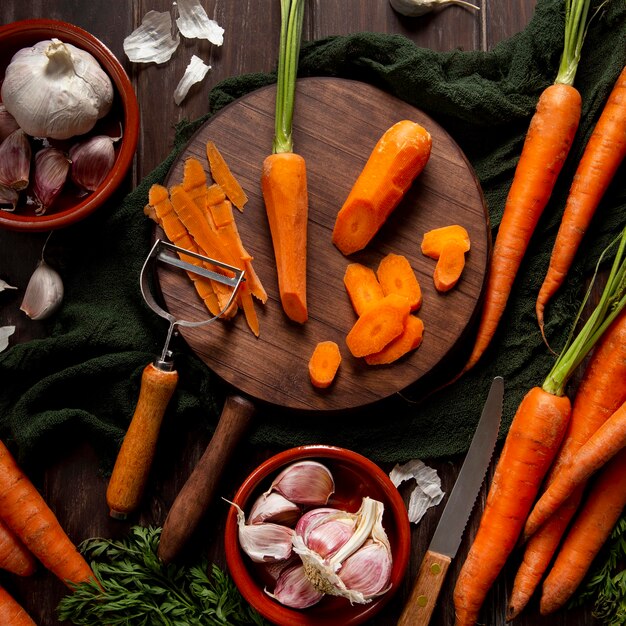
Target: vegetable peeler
[{"x": 159, "y": 378}]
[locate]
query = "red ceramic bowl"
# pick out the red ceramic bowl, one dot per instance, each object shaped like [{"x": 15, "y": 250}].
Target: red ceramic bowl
[
  {"x": 355, "y": 477},
  {"x": 70, "y": 206}
]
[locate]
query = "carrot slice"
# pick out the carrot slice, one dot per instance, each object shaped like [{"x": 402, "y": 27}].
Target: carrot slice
[
  {"x": 449, "y": 266},
  {"x": 410, "y": 339},
  {"x": 434, "y": 240},
  {"x": 396, "y": 275},
  {"x": 362, "y": 286},
  {"x": 224, "y": 177},
  {"x": 214, "y": 194},
  {"x": 324, "y": 363},
  {"x": 381, "y": 323}
]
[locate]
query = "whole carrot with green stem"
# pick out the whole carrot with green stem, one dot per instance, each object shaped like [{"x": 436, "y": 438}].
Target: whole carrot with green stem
[
  {"x": 547, "y": 144},
  {"x": 601, "y": 159},
  {"x": 284, "y": 178},
  {"x": 530, "y": 447}
]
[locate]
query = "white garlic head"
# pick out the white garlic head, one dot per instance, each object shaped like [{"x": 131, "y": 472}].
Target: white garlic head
[{"x": 56, "y": 90}]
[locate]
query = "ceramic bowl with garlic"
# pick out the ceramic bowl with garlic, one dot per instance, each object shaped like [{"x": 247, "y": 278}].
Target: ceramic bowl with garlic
[
  {"x": 317, "y": 535},
  {"x": 69, "y": 124}
]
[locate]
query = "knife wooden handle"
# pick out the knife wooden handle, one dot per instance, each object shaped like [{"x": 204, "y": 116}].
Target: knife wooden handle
[
  {"x": 134, "y": 459},
  {"x": 420, "y": 605}
]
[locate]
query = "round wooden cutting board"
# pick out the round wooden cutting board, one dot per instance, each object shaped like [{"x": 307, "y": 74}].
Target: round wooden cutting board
[{"x": 337, "y": 122}]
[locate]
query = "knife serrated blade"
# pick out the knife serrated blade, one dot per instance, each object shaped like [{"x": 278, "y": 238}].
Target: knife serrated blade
[{"x": 449, "y": 532}]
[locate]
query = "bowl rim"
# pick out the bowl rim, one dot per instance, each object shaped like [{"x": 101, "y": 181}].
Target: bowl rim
[
  {"x": 264, "y": 604},
  {"x": 45, "y": 28}
]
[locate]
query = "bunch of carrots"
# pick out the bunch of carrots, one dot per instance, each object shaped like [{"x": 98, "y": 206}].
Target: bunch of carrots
[
  {"x": 199, "y": 217},
  {"x": 546, "y": 432},
  {"x": 31, "y": 533}
]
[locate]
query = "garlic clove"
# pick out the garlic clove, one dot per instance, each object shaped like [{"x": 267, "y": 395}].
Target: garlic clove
[
  {"x": 313, "y": 517},
  {"x": 326, "y": 538},
  {"x": 293, "y": 589},
  {"x": 368, "y": 570},
  {"x": 263, "y": 542},
  {"x": 51, "y": 170},
  {"x": 305, "y": 482},
  {"x": 44, "y": 293},
  {"x": 92, "y": 160},
  {"x": 275, "y": 568},
  {"x": 273, "y": 508},
  {"x": 8, "y": 198},
  {"x": 7, "y": 123},
  {"x": 15, "y": 153}
]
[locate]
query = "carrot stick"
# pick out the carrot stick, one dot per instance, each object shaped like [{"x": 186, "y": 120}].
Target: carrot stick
[
  {"x": 603, "y": 155},
  {"x": 590, "y": 530},
  {"x": 601, "y": 391},
  {"x": 324, "y": 363},
  {"x": 283, "y": 178},
  {"x": 14, "y": 555},
  {"x": 449, "y": 266},
  {"x": 396, "y": 275},
  {"x": 11, "y": 613},
  {"x": 603, "y": 445},
  {"x": 194, "y": 182},
  {"x": 548, "y": 141},
  {"x": 531, "y": 445},
  {"x": 26, "y": 513},
  {"x": 397, "y": 159},
  {"x": 223, "y": 176}
]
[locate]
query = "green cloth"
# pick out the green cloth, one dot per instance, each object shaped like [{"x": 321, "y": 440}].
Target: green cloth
[{"x": 81, "y": 382}]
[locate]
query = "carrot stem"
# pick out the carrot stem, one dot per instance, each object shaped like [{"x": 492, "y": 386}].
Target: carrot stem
[
  {"x": 611, "y": 303},
  {"x": 292, "y": 15},
  {"x": 575, "y": 29}
]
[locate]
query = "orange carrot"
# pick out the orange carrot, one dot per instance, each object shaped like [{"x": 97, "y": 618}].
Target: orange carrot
[
  {"x": 396, "y": 275},
  {"x": 214, "y": 194},
  {"x": 11, "y": 613},
  {"x": 14, "y": 555},
  {"x": 223, "y": 176},
  {"x": 603, "y": 445},
  {"x": 248, "y": 309},
  {"x": 194, "y": 182},
  {"x": 381, "y": 323},
  {"x": 601, "y": 391},
  {"x": 433, "y": 240},
  {"x": 590, "y": 530},
  {"x": 603, "y": 155},
  {"x": 548, "y": 141},
  {"x": 531, "y": 445},
  {"x": 449, "y": 266},
  {"x": 283, "y": 178},
  {"x": 397, "y": 159},
  {"x": 410, "y": 339},
  {"x": 26, "y": 513},
  {"x": 362, "y": 286},
  {"x": 324, "y": 363}
]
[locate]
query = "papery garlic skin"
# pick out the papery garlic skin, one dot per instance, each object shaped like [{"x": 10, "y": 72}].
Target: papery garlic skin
[
  {"x": 294, "y": 589},
  {"x": 51, "y": 169},
  {"x": 15, "y": 154},
  {"x": 305, "y": 482},
  {"x": 44, "y": 293},
  {"x": 274, "y": 508},
  {"x": 56, "y": 90},
  {"x": 92, "y": 160}
]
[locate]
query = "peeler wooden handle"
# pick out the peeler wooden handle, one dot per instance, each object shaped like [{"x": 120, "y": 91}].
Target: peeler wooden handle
[
  {"x": 421, "y": 603},
  {"x": 134, "y": 459},
  {"x": 198, "y": 491}
]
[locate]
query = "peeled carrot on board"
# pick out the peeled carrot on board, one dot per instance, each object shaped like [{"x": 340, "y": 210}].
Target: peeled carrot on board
[
  {"x": 600, "y": 392},
  {"x": 548, "y": 141},
  {"x": 410, "y": 339},
  {"x": 283, "y": 179},
  {"x": 362, "y": 286},
  {"x": 397, "y": 159},
  {"x": 381, "y": 323},
  {"x": 601, "y": 159},
  {"x": 396, "y": 275},
  {"x": 26, "y": 513},
  {"x": 324, "y": 363},
  {"x": 11, "y": 613},
  {"x": 591, "y": 528},
  {"x": 532, "y": 443},
  {"x": 14, "y": 555}
]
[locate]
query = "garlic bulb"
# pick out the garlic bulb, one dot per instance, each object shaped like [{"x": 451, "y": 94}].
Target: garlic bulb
[
  {"x": 15, "y": 153},
  {"x": 305, "y": 482},
  {"x": 51, "y": 169},
  {"x": 415, "y": 8},
  {"x": 92, "y": 160},
  {"x": 56, "y": 90},
  {"x": 44, "y": 292}
]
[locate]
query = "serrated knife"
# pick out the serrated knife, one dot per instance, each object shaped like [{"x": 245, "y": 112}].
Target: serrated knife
[{"x": 449, "y": 532}]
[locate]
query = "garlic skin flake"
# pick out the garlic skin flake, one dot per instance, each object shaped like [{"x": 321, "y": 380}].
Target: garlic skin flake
[
  {"x": 152, "y": 41},
  {"x": 194, "y": 73},
  {"x": 44, "y": 292},
  {"x": 415, "y": 8},
  {"x": 5, "y": 333},
  {"x": 56, "y": 90},
  {"x": 194, "y": 23},
  {"x": 427, "y": 491},
  {"x": 4, "y": 285}
]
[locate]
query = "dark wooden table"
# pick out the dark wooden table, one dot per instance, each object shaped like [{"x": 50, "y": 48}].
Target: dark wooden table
[{"x": 73, "y": 486}]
